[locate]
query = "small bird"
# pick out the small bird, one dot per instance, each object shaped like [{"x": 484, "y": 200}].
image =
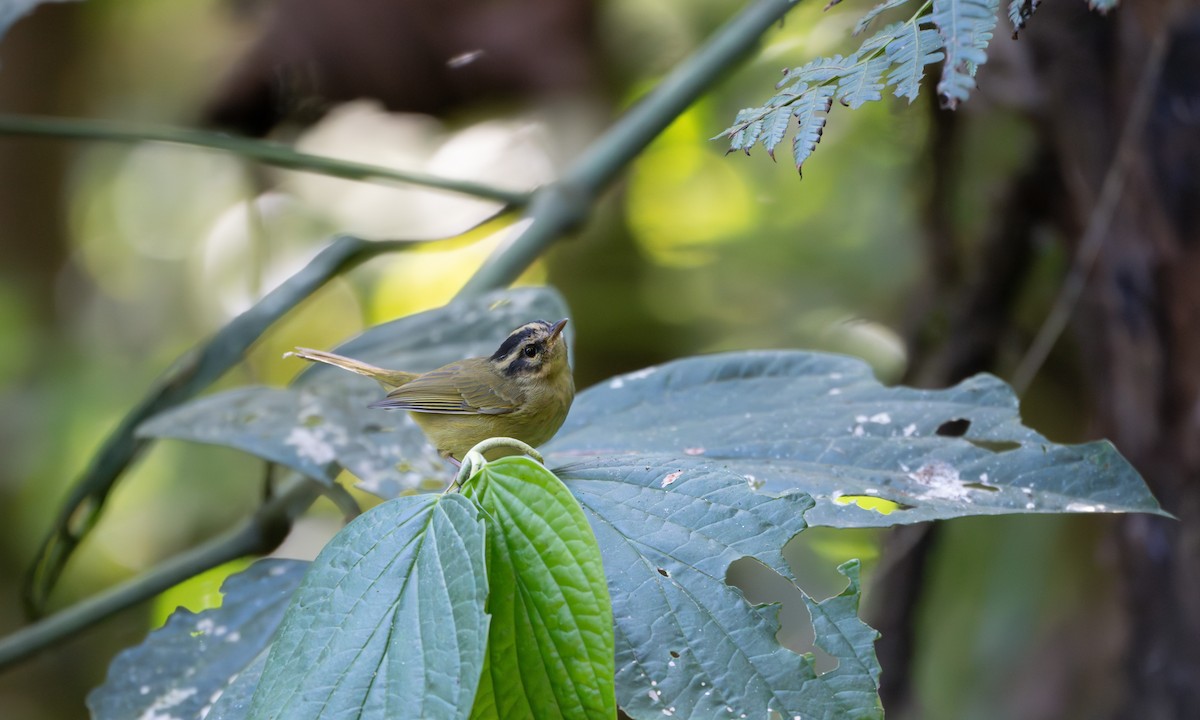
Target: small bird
[{"x": 522, "y": 391}]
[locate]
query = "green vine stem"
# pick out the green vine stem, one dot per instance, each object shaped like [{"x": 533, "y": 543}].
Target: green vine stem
[
  {"x": 184, "y": 380},
  {"x": 270, "y": 153},
  {"x": 258, "y": 535},
  {"x": 552, "y": 211},
  {"x": 560, "y": 207}
]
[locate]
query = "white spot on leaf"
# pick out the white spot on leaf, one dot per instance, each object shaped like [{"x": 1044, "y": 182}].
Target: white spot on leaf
[
  {"x": 619, "y": 382},
  {"x": 168, "y": 700},
  {"x": 671, "y": 477},
  {"x": 311, "y": 444},
  {"x": 941, "y": 481}
]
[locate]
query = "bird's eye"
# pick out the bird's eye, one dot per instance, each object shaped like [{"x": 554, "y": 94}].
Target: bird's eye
[{"x": 531, "y": 351}]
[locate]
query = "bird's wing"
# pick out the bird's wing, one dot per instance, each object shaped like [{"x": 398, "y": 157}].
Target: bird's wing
[{"x": 446, "y": 391}]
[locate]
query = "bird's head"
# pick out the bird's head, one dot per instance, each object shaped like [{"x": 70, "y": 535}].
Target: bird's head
[{"x": 534, "y": 350}]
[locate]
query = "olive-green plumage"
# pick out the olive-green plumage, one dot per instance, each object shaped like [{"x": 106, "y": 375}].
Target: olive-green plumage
[{"x": 522, "y": 391}]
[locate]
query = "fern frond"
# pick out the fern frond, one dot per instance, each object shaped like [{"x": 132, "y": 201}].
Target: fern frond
[
  {"x": 864, "y": 82},
  {"x": 875, "y": 12},
  {"x": 957, "y": 31},
  {"x": 909, "y": 53},
  {"x": 810, "y": 114},
  {"x": 966, "y": 28},
  {"x": 1019, "y": 12}
]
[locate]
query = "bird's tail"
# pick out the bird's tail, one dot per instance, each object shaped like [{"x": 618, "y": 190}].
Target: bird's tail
[{"x": 387, "y": 378}]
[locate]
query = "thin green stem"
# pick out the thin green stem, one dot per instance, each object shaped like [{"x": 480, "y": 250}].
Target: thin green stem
[
  {"x": 188, "y": 377},
  {"x": 560, "y": 207},
  {"x": 552, "y": 211},
  {"x": 256, "y": 536},
  {"x": 263, "y": 151}
]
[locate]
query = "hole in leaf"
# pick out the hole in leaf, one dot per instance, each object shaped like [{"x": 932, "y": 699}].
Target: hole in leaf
[
  {"x": 664, "y": 573},
  {"x": 760, "y": 584},
  {"x": 996, "y": 446},
  {"x": 954, "y": 428},
  {"x": 870, "y": 502}
]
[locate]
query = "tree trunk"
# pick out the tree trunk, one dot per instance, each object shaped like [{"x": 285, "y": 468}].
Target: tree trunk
[{"x": 1137, "y": 327}]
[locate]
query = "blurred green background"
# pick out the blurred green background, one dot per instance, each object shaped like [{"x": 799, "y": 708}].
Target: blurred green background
[{"x": 118, "y": 258}]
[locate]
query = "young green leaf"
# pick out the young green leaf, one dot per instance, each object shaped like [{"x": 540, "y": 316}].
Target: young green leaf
[
  {"x": 389, "y": 621},
  {"x": 550, "y": 649}
]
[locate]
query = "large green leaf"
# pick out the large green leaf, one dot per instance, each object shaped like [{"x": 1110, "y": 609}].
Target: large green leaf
[
  {"x": 552, "y": 622},
  {"x": 322, "y": 423},
  {"x": 198, "y": 661},
  {"x": 687, "y": 643},
  {"x": 389, "y": 621},
  {"x": 824, "y": 425}
]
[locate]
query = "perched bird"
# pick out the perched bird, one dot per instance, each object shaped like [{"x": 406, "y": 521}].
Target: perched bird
[{"x": 522, "y": 391}]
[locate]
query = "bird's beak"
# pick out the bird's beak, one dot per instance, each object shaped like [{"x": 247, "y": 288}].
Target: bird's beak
[{"x": 557, "y": 328}]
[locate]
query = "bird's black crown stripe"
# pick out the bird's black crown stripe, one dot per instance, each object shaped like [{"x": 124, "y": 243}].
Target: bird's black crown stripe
[{"x": 520, "y": 335}]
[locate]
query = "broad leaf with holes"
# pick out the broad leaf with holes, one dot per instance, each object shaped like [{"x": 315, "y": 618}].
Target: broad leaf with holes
[
  {"x": 824, "y": 425},
  {"x": 687, "y": 643},
  {"x": 552, "y": 617},
  {"x": 389, "y": 621},
  {"x": 321, "y": 424},
  {"x": 199, "y": 661}
]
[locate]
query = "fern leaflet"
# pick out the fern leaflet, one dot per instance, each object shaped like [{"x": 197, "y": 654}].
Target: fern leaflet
[
  {"x": 875, "y": 12},
  {"x": 864, "y": 83},
  {"x": 776, "y": 124},
  {"x": 1019, "y": 12},
  {"x": 913, "y": 49},
  {"x": 810, "y": 116},
  {"x": 966, "y": 28}
]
